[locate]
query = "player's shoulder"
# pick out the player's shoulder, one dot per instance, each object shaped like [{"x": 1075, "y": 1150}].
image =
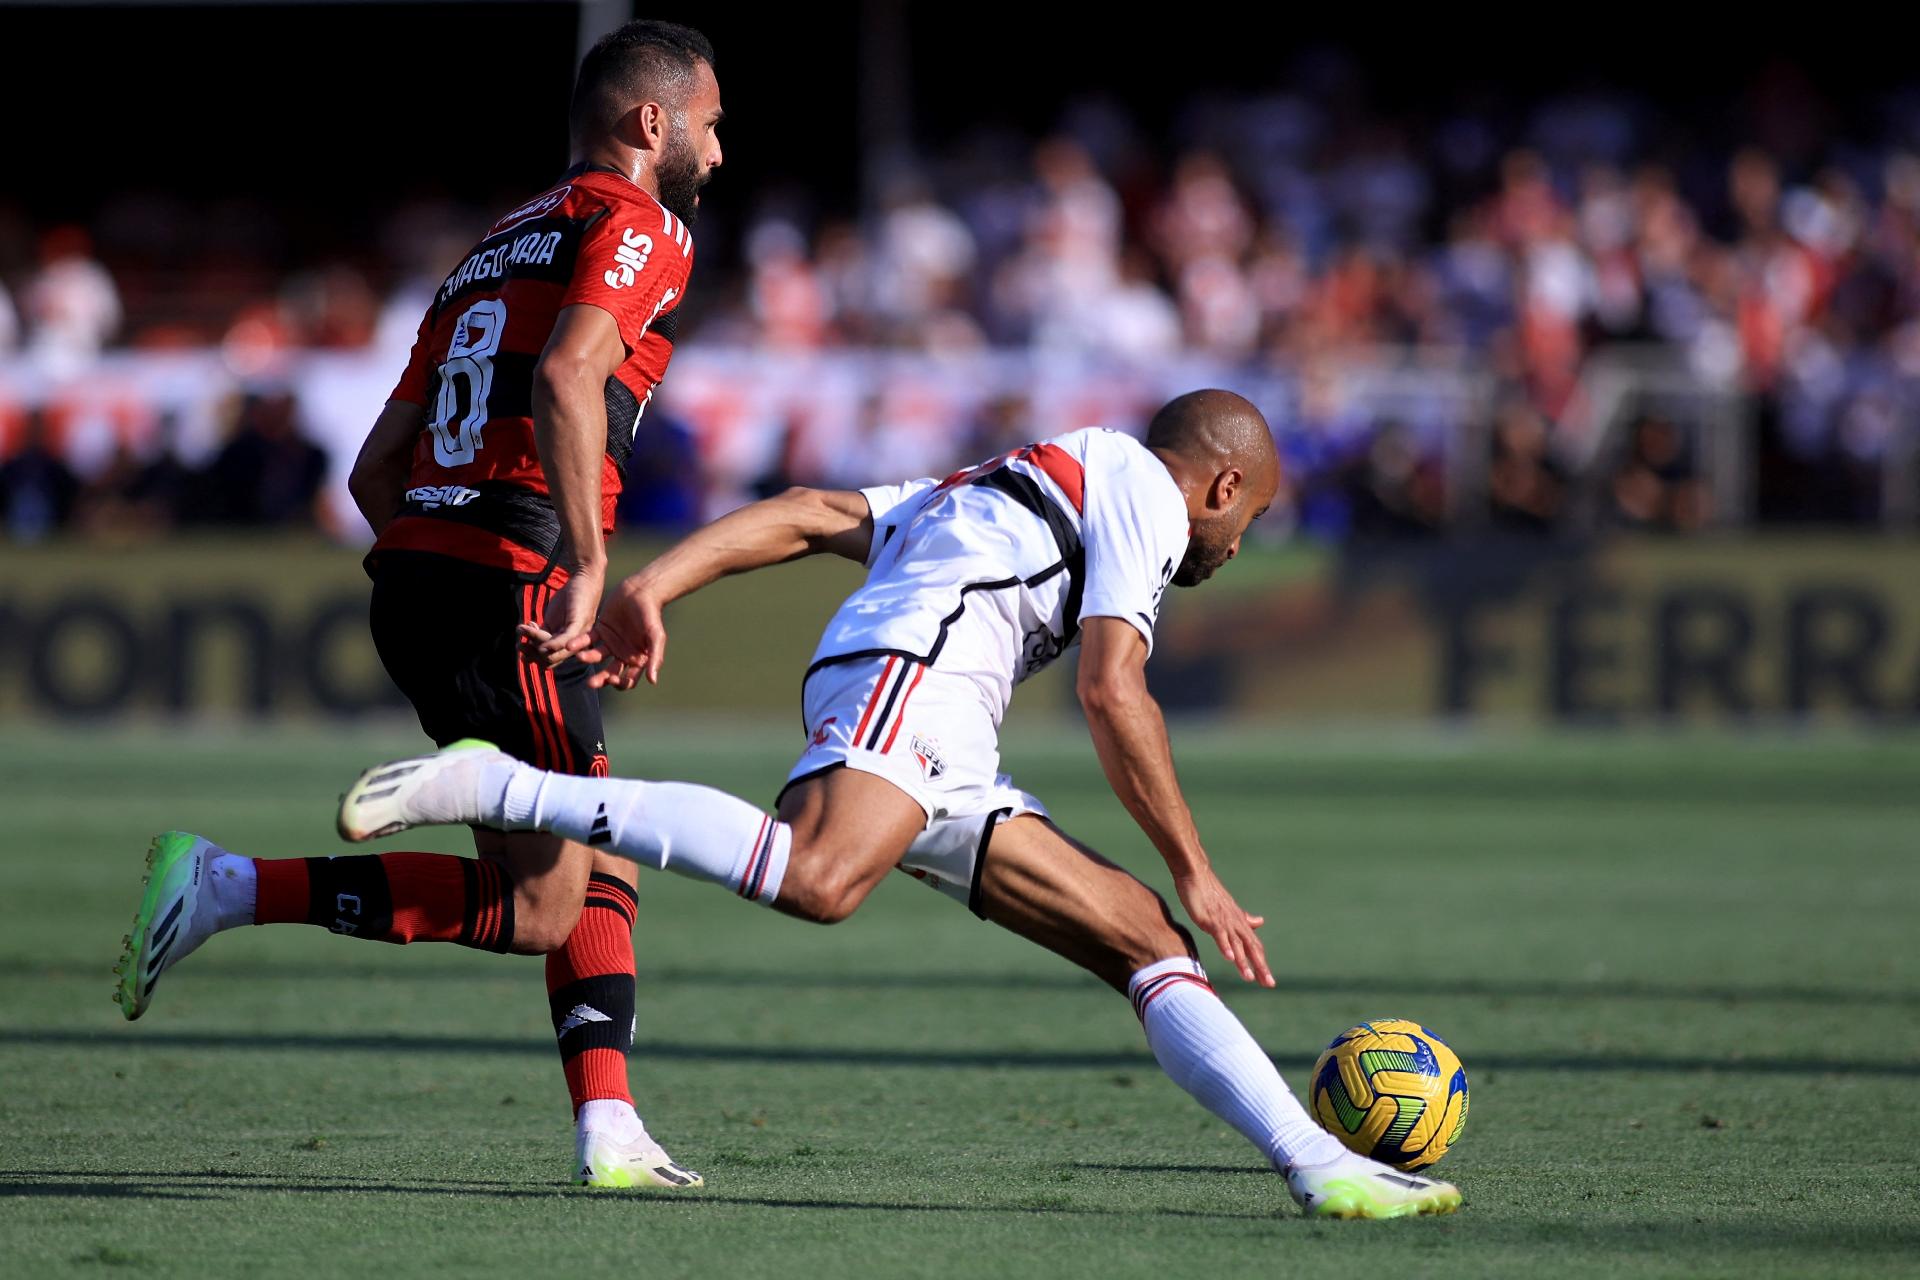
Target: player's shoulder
[
  {"x": 587, "y": 199},
  {"x": 634, "y": 214},
  {"x": 1114, "y": 452},
  {"x": 1122, "y": 473}
]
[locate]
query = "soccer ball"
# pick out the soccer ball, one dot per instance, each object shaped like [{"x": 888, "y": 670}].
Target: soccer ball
[{"x": 1391, "y": 1090}]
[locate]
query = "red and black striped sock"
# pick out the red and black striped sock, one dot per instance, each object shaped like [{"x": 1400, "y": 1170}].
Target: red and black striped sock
[
  {"x": 391, "y": 897},
  {"x": 590, "y": 993}
]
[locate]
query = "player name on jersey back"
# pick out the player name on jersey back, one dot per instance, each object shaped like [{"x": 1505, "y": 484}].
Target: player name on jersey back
[
  {"x": 487, "y": 264},
  {"x": 597, "y": 240}
]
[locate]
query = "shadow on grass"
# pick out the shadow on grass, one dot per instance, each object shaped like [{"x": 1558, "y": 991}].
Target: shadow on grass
[
  {"x": 1679, "y": 1240},
  {"x": 1387, "y": 989},
  {"x": 88, "y": 1184},
  {"x": 122, "y": 1041},
  {"x": 1260, "y": 1169},
  {"x": 1687, "y": 1245},
  {"x": 118, "y": 1189}
]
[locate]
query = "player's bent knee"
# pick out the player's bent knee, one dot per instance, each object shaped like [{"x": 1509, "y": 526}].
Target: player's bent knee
[
  {"x": 823, "y": 893},
  {"x": 820, "y": 904},
  {"x": 541, "y": 928}
]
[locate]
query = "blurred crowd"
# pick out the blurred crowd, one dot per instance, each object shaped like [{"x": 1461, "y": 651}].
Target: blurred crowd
[{"x": 1766, "y": 288}]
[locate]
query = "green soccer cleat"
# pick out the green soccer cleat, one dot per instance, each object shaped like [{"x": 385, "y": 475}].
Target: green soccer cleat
[
  {"x": 176, "y": 915},
  {"x": 602, "y": 1161},
  {"x": 421, "y": 791},
  {"x": 1352, "y": 1186}
]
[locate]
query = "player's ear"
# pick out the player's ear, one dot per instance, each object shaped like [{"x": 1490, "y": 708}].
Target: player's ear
[
  {"x": 1226, "y": 487},
  {"x": 646, "y": 127}
]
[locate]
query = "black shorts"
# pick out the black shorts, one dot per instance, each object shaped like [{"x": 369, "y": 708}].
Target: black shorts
[{"x": 445, "y": 631}]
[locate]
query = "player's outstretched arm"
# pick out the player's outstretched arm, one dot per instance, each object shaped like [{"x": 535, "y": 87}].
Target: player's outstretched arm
[
  {"x": 378, "y": 481},
  {"x": 631, "y": 637},
  {"x": 1130, "y": 736}
]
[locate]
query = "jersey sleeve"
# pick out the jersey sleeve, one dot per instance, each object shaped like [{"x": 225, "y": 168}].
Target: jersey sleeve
[
  {"x": 889, "y": 500},
  {"x": 412, "y": 386},
  {"x": 633, "y": 264},
  {"x": 1135, "y": 531}
]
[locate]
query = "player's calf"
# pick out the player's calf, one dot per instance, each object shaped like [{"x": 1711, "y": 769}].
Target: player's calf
[{"x": 1047, "y": 887}]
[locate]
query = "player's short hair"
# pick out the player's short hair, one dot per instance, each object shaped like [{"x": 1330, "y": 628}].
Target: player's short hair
[{"x": 641, "y": 61}]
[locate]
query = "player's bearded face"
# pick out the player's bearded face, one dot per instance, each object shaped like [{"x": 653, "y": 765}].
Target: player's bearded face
[
  {"x": 1210, "y": 547},
  {"x": 680, "y": 175}
]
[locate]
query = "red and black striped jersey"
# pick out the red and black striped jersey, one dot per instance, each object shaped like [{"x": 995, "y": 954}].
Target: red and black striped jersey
[{"x": 476, "y": 489}]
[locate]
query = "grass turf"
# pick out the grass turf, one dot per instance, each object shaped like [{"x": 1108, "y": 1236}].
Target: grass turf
[{"x": 1682, "y": 973}]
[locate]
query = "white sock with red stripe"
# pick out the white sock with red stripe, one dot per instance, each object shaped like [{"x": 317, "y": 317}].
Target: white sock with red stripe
[
  {"x": 1203, "y": 1048},
  {"x": 670, "y": 826}
]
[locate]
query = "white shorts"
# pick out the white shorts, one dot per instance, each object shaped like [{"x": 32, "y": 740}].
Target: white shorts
[{"x": 930, "y": 734}]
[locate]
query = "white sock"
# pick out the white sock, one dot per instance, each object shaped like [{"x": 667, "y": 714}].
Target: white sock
[
  {"x": 1205, "y": 1050},
  {"x": 611, "y": 1118},
  {"x": 235, "y": 884},
  {"x": 670, "y": 826}
]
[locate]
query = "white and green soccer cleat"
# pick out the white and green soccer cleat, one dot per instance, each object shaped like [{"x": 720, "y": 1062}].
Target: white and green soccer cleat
[
  {"x": 1352, "y": 1186},
  {"x": 421, "y": 791},
  {"x": 176, "y": 915},
  {"x": 601, "y": 1160}
]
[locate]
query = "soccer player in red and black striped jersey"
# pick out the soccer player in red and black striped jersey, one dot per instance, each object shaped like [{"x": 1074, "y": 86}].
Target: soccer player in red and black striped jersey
[{"x": 491, "y": 478}]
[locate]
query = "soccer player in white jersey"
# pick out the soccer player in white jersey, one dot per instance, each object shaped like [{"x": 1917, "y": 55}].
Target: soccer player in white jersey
[{"x": 973, "y": 584}]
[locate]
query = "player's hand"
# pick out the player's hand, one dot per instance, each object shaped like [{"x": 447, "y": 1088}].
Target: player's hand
[
  {"x": 1214, "y": 910},
  {"x": 567, "y": 625},
  {"x": 630, "y": 639}
]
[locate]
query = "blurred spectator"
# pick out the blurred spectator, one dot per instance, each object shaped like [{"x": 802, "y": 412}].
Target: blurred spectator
[
  {"x": 1657, "y": 486},
  {"x": 130, "y": 496},
  {"x": 37, "y": 488},
  {"x": 1526, "y": 487},
  {"x": 72, "y": 305},
  {"x": 268, "y": 474},
  {"x": 923, "y": 257},
  {"x": 1395, "y": 491}
]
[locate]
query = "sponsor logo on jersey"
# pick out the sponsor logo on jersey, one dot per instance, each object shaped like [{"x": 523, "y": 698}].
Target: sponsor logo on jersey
[
  {"x": 630, "y": 259},
  {"x": 1039, "y": 648},
  {"x": 927, "y": 752},
  {"x": 434, "y": 496},
  {"x": 532, "y": 209},
  {"x": 492, "y": 263}
]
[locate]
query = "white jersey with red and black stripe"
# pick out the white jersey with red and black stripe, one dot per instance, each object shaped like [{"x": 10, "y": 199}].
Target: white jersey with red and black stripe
[{"x": 988, "y": 573}]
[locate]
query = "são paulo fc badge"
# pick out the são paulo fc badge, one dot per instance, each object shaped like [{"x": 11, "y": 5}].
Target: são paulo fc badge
[{"x": 928, "y": 754}]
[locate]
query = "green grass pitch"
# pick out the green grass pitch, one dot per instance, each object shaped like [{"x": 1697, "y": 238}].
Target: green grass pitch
[{"x": 1683, "y": 973}]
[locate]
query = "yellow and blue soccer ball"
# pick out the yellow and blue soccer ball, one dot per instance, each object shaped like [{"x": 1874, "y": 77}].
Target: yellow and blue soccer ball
[{"x": 1392, "y": 1090}]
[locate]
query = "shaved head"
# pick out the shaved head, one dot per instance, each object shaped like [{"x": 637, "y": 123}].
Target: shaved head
[
  {"x": 1217, "y": 429},
  {"x": 1221, "y": 454}
]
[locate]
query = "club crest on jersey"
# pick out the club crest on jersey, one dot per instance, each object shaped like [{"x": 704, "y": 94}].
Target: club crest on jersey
[
  {"x": 927, "y": 752},
  {"x": 533, "y": 209},
  {"x": 630, "y": 259}
]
